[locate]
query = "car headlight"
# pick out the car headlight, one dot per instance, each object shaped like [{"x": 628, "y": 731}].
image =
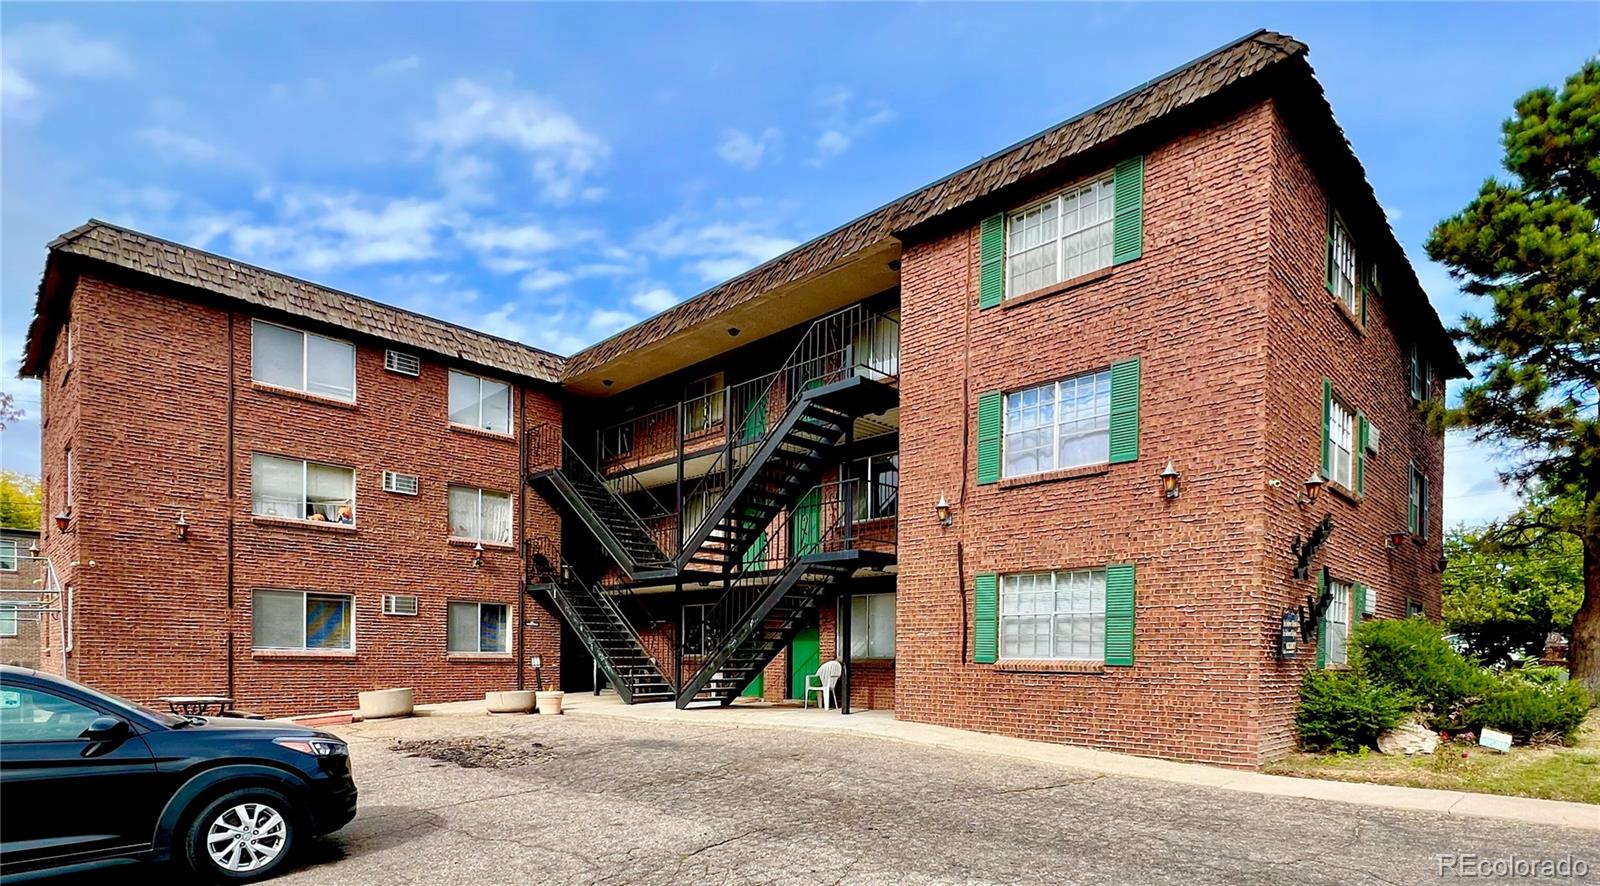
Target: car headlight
[{"x": 316, "y": 747}]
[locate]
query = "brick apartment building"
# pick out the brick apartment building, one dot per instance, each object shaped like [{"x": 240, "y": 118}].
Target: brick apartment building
[
  {"x": 24, "y": 596},
  {"x": 1060, "y": 446}
]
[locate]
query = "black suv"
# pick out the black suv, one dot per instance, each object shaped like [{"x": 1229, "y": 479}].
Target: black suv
[{"x": 89, "y": 780}]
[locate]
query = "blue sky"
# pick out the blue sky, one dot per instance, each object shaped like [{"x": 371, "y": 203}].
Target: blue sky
[{"x": 554, "y": 173}]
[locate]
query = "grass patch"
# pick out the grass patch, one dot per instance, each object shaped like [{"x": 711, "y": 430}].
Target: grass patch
[{"x": 1546, "y": 773}]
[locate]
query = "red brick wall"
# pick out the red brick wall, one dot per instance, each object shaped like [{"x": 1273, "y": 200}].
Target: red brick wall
[
  {"x": 1369, "y": 366},
  {"x": 154, "y": 614},
  {"x": 1194, "y": 307}
]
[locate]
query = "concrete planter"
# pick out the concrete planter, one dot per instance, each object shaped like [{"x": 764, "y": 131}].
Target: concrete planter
[
  {"x": 516, "y": 701},
  {"x": 381, "y": 703},
  {"x": 550, "y": 702}
]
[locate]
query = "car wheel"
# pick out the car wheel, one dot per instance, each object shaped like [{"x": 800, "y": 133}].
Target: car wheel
[{"x": 242, "y": 836}]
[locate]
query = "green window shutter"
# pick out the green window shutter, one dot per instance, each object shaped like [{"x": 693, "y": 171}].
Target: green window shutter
[
  {"x": 1413, "y": 499},
  {"x": 1119, "y": 614},
  {"x": 1322, "y": 620},
  {"x": 1327, "y": 422},
  {"x": 985, "y": 617},
  {"x": 1358, "y": 604},
  {"x": 1127, "y": 227},
  {"x": 992, "y": 260},
  {"x": 990, "y": 408},
  {"x": 1125, "y": 410},
  {"x": 1422, "y": 504},
  {"x": 1328, "y": 269},
  {"x": 1363, "y": 429},
  {"x": 1369, "y": 273},
  {"x": 1416, "y": 371}
]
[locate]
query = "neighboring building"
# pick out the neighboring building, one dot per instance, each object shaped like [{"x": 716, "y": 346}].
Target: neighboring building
[
  {"x": 1027, "y": 449},
  {"x": 24, "y": 597}
]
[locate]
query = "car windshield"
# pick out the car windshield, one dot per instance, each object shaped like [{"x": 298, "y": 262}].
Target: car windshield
[{"x": 161, "y": 717}]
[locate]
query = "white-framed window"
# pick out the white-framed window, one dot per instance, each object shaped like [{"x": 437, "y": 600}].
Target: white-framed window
[
  {"x": 1417, "y": 503},
  {"x": 399, "y": 604},
  {"x": 303, "y": 620},
  {"x": 8, "y": 619},
  {"x": 702, "y": 403},
  {"x": 71, "y": 494},
  {"x": 1414, "y": 608},
  {"x": 72, "y": 337},
  {"x": 478, "y": 627},
  {"x": 480, "y": 514},
  {"x": 694, "y": 628},
  {"x": 875, "y": 486},
  {"x": 8, "y": 555},
  {"x": 302, "y": 361},
  {"x": 402, "y": 484},
  {"x": 1341, "y": 444},
  {"x": 1338, "y": 617},
  {"x": 1346, "y": 281},
  {"x": 478, "y": 402},
  {"x": 402, "y": 363},
  {"x": 872, "y": 626},
  {"x": 1063, "y": 424},
  {"x": 875, "y": 346},
  {"x": 1064, "y": 236},
  {"x": 302, "y": 490},
  {"x": 1058, "y": 615}
]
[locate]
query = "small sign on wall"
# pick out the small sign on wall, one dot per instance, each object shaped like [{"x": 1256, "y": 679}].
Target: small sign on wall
[
  {"x": 1494, "y": 738},
  {"x": 1289, "y": 634}
]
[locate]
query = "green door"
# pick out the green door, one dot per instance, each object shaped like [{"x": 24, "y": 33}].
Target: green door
[
  {"x": 755, "y": 421},
  {"x": 805, "y": 656},
  {"x": 805, "y": 533},
  {"x": 755, "y": 687}
]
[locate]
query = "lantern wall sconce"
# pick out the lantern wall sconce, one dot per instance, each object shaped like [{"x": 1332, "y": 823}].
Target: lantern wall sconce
[
  {"x": 63, "y": 520},
  {"x": 477, "y": 555},
  {"x": 1169, "y": 480},
  {"x": 1395, "y": 539},
  {"x": 181, "y": 527},
  {"x": 942, "y": 509},
  {"x": 1313, "y": 490},
  {"x": 33, "y": 549}
]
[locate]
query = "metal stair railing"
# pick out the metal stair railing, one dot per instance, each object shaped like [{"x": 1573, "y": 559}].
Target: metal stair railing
[{"x": 549, "y": 453}]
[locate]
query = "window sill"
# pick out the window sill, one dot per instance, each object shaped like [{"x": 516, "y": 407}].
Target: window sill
[
  {"x": 304, "y": 654},
  {"x": 459, "y": 542},
  {"x": 872, "y": 660},
  {"x": 1349, "y": 316},
  {"x": 478, "y": 656},
  {"x": 307, "y": 396},
  {"x": 480, "y": 432},
  {"x": 1345, "y": 493},
  {"x": 1057, "y": 288},
  {"x": 1049, "y": 666},
  {"x": 1052, "y": 476},
  {"x": 313, "y": 525}
]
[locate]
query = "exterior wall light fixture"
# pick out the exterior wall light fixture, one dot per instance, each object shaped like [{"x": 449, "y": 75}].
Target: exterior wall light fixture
[
  {"x": 1395, "y": 539},
  {"x": 1314, "y": 484},
  {"x": 477, "y": 555},
  {"x": 182, "y": 527},
  {"x": 942, "y": 509},
  {"x": 63, "y": 519},
  {"x": 1169, "y": 480}
]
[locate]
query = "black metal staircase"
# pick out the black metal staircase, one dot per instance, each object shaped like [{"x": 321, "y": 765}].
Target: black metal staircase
[
  {"x": 605, "y": 633},
  {"x": 557, "y": 467},
  {"x": 807, "y": 551}
]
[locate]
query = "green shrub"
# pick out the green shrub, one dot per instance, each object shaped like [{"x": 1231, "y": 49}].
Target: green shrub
[
  {"x": 1344, "y": 711},
  {"x": 1544, "y": 675},
  {"x": 1530, "y": 709},
  {"x": 1410, "y": 656}
]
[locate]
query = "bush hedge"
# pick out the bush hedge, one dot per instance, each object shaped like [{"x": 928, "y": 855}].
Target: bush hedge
[
  {"x": 1411, "y": 656},
  {"x": 1344, "y": 711},
  {"x": 1530, "y": 709}
]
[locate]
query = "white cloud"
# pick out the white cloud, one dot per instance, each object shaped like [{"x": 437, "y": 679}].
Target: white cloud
[
  {"x": 181, "y": 146},
  {"x": 544, "y": 279},
  {"x": 744, "y": 150},
  {"x": 320, "y": 232},
  {"x": 1473, "y": 493},
  {"x": 605, "y": 321},
  {"x": 522, "y": 239},
  {"x": 842, "y": 124},
  {"x": 559, "y": 152},
  {"x": 715, "y": 250},
  {"x": 36, "y": 53},
  {"x": 397, "y": 66},
  {"x": 654, "y": 301}
]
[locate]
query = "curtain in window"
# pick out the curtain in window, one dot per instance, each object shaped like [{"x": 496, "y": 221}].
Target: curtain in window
[
  {"x": 872, "y": 626},
  {"x": 462, "y": 629},
  {"x": 327, "y": 621},
  {"x": 496, "y": 518},
  {"x": 276, "y": 357},
  {"x": 275, "y": 487},
  {"x": 277, "y": 620},
  {"x": 330, "y": 367},
  {"x": 329, "y": 491},
  {"x": 491, "y": 628},
  {"x": 463, "y": 512}
]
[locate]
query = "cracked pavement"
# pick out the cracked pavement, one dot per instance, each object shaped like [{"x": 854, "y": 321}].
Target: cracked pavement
[{"x": 625, "y": 801}]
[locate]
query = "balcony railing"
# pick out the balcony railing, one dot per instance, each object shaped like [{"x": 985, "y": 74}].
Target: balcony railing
[{"x": 851, "y": 342}]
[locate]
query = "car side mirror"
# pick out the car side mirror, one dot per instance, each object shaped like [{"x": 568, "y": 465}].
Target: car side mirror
[{"x": 106, "y": 729}]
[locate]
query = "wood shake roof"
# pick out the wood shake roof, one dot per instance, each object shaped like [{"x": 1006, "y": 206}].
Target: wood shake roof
[
  {"x": 175, "y": 263},
  {"x": 1184, "y": 86}
]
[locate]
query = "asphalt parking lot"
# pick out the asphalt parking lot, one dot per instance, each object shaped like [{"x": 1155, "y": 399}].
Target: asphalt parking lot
[{"x": 602, "y": 800}]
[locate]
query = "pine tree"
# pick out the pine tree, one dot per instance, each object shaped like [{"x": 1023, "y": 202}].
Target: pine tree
[{"x": 1532, "y": 248}]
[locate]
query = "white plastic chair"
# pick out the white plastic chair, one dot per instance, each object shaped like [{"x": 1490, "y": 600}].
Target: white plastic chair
[{"x": 822, "y": 683}]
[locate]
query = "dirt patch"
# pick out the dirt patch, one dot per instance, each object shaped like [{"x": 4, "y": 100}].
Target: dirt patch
[{"x": 476, "y": 753}]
